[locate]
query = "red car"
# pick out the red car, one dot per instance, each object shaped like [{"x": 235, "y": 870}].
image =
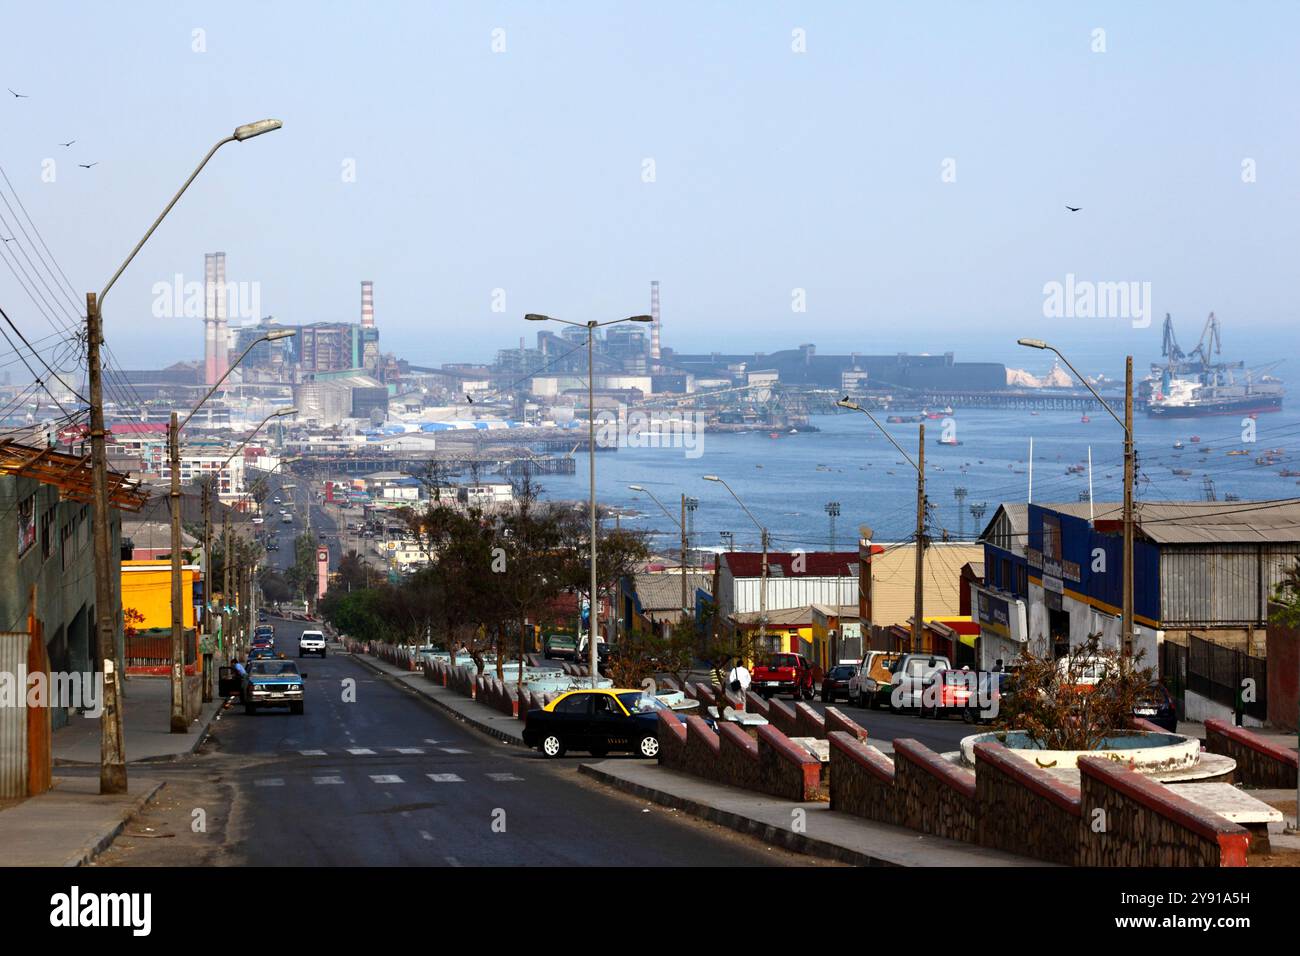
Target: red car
[{"x": 784, "y": 674}]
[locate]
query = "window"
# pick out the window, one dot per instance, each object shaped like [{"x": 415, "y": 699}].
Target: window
[
  {"x": 606, "y": 706},
  {"x": 26, "y": 524},
  {"x": 66, "y": 549},
  {"x": 47, "y": 534},
  {"x": 574, "y": 704}
]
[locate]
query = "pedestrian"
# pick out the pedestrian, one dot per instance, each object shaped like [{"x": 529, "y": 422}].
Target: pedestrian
[{"x": 738, "y": 680}]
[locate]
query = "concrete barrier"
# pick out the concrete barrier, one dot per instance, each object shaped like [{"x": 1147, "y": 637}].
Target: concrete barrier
[
  {"x": 1129, "y": 820},
  {"x": 808, "y": 723},
  {"x": 933, "y": 795},
  {"x": 835, "y": 720},
  {"x": 782, "y": 716},
  {"x": 862, "y": 779},
  {"x": 1260, "y": 762},
  {"x": 1023, "y": 808},
  {"x": 755, "y": 704}
]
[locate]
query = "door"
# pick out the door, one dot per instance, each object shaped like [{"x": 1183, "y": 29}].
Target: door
[
  {"x": 572, "y": 716},
  {"x": 609, "y": 725}
]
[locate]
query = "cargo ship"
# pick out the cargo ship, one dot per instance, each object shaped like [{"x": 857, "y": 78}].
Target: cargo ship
[{"x": 1186, "y": 398}]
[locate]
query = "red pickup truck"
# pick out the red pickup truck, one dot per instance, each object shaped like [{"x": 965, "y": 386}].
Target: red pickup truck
[{"x": 784, "y": 674}]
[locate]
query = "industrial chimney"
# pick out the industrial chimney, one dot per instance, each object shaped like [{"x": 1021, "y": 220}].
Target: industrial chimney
[
  {"x": 222, "y": 332},
  {"x": 654, "y": 329},
  {"x": 210, "y": 318}
]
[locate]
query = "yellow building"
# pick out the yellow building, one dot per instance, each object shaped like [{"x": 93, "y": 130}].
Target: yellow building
[{"x": 147, "y": 588}]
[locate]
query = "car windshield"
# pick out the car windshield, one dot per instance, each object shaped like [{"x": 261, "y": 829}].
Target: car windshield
[
  {"x": 639, "y": 703},
  {"x": 842, "y": 672},
  {"x": 782, "y": 660},
  {"x": 274, "y": 669}
]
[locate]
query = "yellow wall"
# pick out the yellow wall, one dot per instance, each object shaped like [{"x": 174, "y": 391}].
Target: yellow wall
[{"x": 150, "y": 592}]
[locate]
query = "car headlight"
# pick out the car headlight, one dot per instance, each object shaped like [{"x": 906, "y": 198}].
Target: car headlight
[{"x": 870, "y": 685}]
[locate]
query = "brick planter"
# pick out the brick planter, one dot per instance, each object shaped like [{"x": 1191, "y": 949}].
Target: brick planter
[
  {"x": 1023, "y": 808},
  {"x": 862, "y": 779},
  {"x": 1260, "y": 762},
  {"x": 933, "y": 795}
]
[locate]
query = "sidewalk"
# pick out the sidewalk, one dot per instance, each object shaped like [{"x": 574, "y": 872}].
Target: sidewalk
[
  {"x": 835, "y": 836},
  {"x": 69, "y": 825},
  {"x": 146, "y": 714}
]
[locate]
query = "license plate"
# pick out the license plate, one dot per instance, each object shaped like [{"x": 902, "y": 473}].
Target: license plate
[
  {"x": 1145, "y": 711},
  {"x": 277, "y": 696},
  {"x": 774, "y": 683}
]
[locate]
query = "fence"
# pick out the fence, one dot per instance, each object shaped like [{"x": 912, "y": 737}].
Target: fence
[
  {"x": 1219, "y": 673},
  {"x": 151, "y": 652}
]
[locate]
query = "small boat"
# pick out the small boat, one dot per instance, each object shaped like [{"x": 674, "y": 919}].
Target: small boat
[
  {"x": 1289, "y": 473},
  {"x": 1178, "y": 444},
  {"x": 1182, "y": 472},
  {"x": 1239, "y": 451},
  {"x": 1085, "y": 419},
  {"x": 1033, "y": 413},
  {"x": 949, "y": 441},
  {"x": 773, "y": 434},
  {"x": 1231, "y": 496},
  {"x": 1194, "y": 438}
]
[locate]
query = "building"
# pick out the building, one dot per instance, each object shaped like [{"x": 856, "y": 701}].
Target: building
[
  {"x": 147, "y": 590},
  {"x": 796, "y": 581},
  {"x": 653, "y": 600},
  {"x": 886, "y": 596}
]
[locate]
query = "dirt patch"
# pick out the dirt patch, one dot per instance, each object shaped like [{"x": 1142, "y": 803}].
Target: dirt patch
[{"x": 185, "y": 825}]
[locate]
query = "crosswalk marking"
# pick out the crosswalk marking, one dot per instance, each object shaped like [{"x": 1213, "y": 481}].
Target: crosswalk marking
[
  {"x": 324, "y": 780},
  {"x": 426, "y": 835},
  {"x": 312, "y": 753},
  {"x": 503, "y": 777},
  {"x": 409, "y": 750},
  {"x": 453, "y": 750},
  {"x": 386, "y": 778},
  {"x": 269, "y": 782},
  {"x": 445, "y": 778},
  {"x": 429, "y": 740},
  {"x": 361, "y": 751}
]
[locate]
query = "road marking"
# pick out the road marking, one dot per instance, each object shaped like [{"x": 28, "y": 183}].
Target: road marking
[
  {"x": 323, "y": 780},
  {"x": 445, "y": 778},
  {"x": 452, "y": 861},
  {"x": 454, "y": 750},
  {"x": 409, "y": 750},
  {"x": 386, "y": 778},
  {"x": 426, "y": 835},
  {"x": 361, "y": 751},
  {"x": 312, "y": 753},
  {"x": 503, "y": 777},
  {"x": 269, "y": 782},
  {"x": 428, "y": 740}
]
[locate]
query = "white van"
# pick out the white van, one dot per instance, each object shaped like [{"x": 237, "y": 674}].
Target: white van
[{"x": 908, "y": 679}]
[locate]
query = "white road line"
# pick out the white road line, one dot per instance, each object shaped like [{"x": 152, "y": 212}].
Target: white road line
[
  {"x": 312, "y": 753},
  {"x": 426, "y": 835},
  {"x": 452, "y": 861},
  {"x": 503, "y": 777},
  {"x": 428, "y": 740},
  {"x": 445, "y": 778},
  {"x": 386, "y": 778},
  {"x": 361, "y": 751},
  {"x": 453, "y": 750},
  {"x": 324, "y": 780},
  {"x": 409, "y": 750},
  {"x": 269, "y": 782}
]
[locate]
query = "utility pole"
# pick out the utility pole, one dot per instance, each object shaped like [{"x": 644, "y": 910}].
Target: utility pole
[
  {"x": 685, "y": 606},
  {"x": 833, "y": 512},
  {"x": 762, "y": 597},
  {"x": 1127, "y": 609},
  {"x": 228, "y": 632},
  {"x": 207, "y": 587},
  {"x": 112, "y": 756},
  {"x": 960, "y": 493},
  {"x": 918, "y": 608},
  {"x": 730, "y": 538},
  {"x": 179, "y": 724}
]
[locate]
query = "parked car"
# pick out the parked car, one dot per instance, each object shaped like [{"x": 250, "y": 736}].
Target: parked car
[
  {"x": 784, "y": 673},
  {"x": 836, "y": 683},
  {"x": 870, "y": 686},
  {"x": 560, "y": 647},
  {"x": 908, "y": 677},
  {"x": 974, "y": 695},
  {"x": 597, "y": 721},
  {"x": 273, "y": 683},
  {"x": 1157, "y": 705},
  {"x": 311, "y": 642}
]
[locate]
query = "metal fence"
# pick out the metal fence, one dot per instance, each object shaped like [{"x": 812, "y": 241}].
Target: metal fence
[
  {"x": 154, "y": 649},
  {"x": 1223, "y": 674}
]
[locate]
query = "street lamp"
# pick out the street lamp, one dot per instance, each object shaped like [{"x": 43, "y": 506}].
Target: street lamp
[
  {"x": 918, "y": 588},
  {"x": 112, "y": 756},
  {"x": 681, "y": 526},
  {"x": 179, "y": 725},
  {"x": 762, "y": 581},
  {"x": 591, "y": 327},
  {"x": 1127, "y": 424}
]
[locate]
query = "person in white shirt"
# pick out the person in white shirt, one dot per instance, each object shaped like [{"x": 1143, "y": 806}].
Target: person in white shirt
[{"x": 738, "y": 680}]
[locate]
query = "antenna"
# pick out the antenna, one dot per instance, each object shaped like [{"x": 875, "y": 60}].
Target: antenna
[
  {"x": 1090, "y": 514},
  {"x": 1031, "y": 469}
]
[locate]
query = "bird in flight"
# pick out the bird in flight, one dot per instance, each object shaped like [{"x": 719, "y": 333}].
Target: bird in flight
[
  {"x": 68, "y": 143},
  {"x": 88, "y": 165},
  {"x": 468, "y": 399},
  {"x": 10, "y": 239},
  {"x": 1074, "y": 208},
  {"x": 21, "y": 96}
]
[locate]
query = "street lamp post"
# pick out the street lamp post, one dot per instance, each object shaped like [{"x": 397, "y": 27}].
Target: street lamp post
[
  {"x": 762, "y": 580},
  {"x": 112, "y": 756},
  {"x": 179, "y": 724},
  {"x": 1126, "y": 423},
  {"x": 591, "y": 327},
  {"x": 681, "y": 526},
  {"x": 918, "y": 589}
]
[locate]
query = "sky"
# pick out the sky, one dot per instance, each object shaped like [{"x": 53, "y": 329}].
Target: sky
[{"x": 873, "y": 177}]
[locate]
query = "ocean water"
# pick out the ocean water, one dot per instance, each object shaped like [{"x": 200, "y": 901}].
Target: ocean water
[{"x": 787, "y": 481}]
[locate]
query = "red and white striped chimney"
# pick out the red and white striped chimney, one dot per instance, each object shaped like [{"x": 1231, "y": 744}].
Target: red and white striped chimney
[
  {"x": 367, "y": 304},
  {"x": 654, "y": 329},
  {"x": 223, "y": 334},
  {"x": 210, "y": 318}
]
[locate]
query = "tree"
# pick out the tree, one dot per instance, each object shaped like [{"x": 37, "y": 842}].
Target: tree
[
  {"x": 1285, "y": 609},
  {"x": 1053, "y": 701}
]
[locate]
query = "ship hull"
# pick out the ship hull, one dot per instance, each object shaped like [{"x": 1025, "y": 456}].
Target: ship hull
[{"x": 1249, "y": 405}]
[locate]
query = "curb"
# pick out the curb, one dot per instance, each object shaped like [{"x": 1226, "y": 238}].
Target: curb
[
  {"x": 98, "y": 846},
  {"x": 160, "y": 758},
  {"x": 442, "y": 707},
  {"x": 780, "y": 836}
]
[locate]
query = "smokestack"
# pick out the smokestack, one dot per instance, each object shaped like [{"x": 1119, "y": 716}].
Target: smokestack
[
  {"x": 369, "y": 337},
  {"x": 209, "y": 319},
  {"x": 654, "y": 329},
  {"x": 223, "y": 334},
  {"x": 367, "y": 304}
]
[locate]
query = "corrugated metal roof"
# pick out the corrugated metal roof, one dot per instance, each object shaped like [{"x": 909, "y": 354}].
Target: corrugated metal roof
[
  {"x": 814, "y": 564},
  {"x": 1184, "y": 522},
  {"x": 663, "y": 592}
]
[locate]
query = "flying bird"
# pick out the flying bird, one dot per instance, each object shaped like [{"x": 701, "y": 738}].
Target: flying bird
[
  {"x": 88, "y": 165},
  {"x": 21, "y": 96},
  {"x": 68, "y": 143},
  {"x": 468, "y": 399},
  {"x": 1074, "y": 208}
]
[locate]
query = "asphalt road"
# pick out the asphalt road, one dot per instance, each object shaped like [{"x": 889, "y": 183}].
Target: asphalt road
[{"x": 386, "y": 780}]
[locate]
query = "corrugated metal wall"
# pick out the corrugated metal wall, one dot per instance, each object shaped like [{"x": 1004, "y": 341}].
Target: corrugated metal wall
[
  {"x": 1223, "y": 585},
  {"x": 13, "y": 719},
  {"x": 795, "y": 592}
]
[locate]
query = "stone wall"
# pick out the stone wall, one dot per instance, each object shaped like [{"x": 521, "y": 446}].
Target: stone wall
[
  {"x": 770, "y": 764},
  {"x": 1260, "y": 762},
  {"x": 782, "y": 716},
  {"x": 932, "y": 794},
  {"x": 836, "y": 721},
  {"x": 862, "y": 779},
  {"x": 1128, "y": 820},
  {"x": 1023, "y": 808}
]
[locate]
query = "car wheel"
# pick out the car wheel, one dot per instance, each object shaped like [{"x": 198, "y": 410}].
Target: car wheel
[
  {"x": 322, "y": 652},
  {"x": 552, "y": 746},
  {"x": 649, "y": 747},
  {"x": 250, "y": 708},
  {"x": 968, "y": 715},
  {"x": 826, "y": 698},
  {"x": 295, "y": 708}
]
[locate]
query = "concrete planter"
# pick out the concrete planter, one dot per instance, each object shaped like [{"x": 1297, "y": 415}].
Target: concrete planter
[{"x": 1144, "y": 751}]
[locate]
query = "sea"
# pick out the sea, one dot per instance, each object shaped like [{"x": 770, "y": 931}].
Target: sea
[{"x": 787, "y": 480}]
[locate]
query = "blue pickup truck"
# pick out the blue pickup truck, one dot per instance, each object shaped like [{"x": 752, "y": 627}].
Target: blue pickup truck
[{"x": 273, "y": 683}]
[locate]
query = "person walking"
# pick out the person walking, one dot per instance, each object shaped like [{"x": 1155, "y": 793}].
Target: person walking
[{"x": 738, "y": 680}]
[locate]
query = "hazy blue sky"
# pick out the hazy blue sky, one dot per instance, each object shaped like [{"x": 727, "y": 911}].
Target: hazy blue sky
[{"x": 774, "y": 170}]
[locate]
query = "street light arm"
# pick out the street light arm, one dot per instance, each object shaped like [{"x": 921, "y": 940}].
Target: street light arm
[
  {"x": 757, "y": 524},
  {"x": 670, "y": 515},
  {"x": 233, "y": 365},
  {"x": 198, "y": 169},
  {"x": 1088, "y": 385},
  {"x": 858, "y": 408},
  {"x": 275, "y": 414}
]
